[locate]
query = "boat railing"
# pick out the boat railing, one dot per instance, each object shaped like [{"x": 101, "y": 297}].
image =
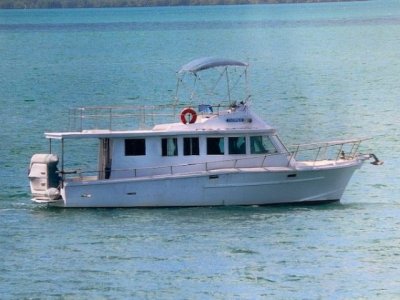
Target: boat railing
[
  {"x": 116, "y": 117},
  {"x": 326, "y": 151},
  {"x": 310, "y": 154},
  {"x": 258, "y": 161},
  {"x": 128, "y": 117}
]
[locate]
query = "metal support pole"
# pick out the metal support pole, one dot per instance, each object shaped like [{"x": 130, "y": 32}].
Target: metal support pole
[
  {"x": 62, "y": 162},
  {"x": 316, "y": 157},
  {"x": 228, "y": 85},
  {"x": 356, "y": 145},
  {"x": 340, "y": 151}
]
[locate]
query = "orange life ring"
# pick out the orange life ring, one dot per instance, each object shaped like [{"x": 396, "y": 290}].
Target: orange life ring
[{"x": 188, "y": 115}]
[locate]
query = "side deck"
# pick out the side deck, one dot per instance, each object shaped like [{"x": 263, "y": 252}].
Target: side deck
[{"x": 323, "y": 156}]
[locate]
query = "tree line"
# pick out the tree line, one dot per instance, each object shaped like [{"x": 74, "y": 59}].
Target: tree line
[{"x": 10, "y": 4}]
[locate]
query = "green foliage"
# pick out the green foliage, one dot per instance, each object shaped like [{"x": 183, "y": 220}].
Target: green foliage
[{"x": 8, "y": 4}]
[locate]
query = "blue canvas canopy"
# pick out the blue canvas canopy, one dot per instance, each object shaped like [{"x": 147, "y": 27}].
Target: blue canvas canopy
[{"x": 209, "y": 62}]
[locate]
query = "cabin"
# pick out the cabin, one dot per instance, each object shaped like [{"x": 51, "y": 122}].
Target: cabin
[{"x": 233, "y": 139}]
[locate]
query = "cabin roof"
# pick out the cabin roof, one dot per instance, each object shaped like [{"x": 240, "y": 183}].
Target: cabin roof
[{"x": 96, "y": 133}]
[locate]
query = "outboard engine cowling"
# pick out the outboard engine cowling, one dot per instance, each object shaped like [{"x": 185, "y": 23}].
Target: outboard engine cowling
[{"x": 44, "y": 178}]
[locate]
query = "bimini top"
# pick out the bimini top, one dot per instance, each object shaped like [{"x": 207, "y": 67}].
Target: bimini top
[{"x": 209, "y": 62}]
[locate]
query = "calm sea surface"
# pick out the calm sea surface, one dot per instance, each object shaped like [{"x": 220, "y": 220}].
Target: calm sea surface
[{"x": 318, "y": 72}]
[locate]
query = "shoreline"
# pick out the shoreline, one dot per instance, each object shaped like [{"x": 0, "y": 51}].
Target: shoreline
[{"x": 61, "y": 4}]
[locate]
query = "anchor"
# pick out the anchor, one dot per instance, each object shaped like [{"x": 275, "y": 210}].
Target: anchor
[{"x": 376, "y": 161}]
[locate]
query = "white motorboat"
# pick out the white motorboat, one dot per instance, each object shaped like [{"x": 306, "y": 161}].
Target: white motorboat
[{"x": 213, "y": 152}]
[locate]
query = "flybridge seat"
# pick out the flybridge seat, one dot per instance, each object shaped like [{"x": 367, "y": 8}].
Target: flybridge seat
[{"x": 206, "y": 109}]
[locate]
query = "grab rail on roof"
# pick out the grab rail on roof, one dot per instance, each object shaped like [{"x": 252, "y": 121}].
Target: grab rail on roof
[{"x": 129, "y": 117}]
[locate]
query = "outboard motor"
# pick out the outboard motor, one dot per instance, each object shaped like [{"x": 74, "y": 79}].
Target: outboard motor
[{"x": 44, "y": 178}]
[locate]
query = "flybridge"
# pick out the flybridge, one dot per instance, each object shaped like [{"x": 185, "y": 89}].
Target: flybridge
[
  {"x": 127, "y": 118},
  {"x": 203, "y": 98}
]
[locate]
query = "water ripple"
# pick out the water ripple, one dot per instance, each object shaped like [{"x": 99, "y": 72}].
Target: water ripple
[{"x": 198, "y": 25}]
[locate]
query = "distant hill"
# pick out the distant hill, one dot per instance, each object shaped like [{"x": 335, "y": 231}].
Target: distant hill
[{"x": 9, "y": 4}]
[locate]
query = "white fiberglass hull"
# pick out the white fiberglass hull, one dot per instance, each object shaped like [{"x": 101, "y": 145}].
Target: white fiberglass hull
[{"x": 256, "y": 186}]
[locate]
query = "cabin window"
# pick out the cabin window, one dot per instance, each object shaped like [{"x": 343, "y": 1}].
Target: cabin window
[
  {"x": 135, "y": 147},
  {"x": 261, "y": 145},
  {"x": 237, "y": 145},
  {"x": 215, "y": 146},
  {"x": 169, "y": 147},
  {"x": 191, "y": 146}
]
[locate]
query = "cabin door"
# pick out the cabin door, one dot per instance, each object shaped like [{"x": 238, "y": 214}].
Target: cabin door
[{"x": 105, "y": 158}]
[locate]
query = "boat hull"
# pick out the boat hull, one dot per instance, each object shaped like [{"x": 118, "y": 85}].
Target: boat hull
[{"x": 255, "y": 186}]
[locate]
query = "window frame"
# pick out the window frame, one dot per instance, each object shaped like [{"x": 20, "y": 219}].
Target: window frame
[
  {"x": 233, "y": 148},
  {"x": 131, "y": 150},
  {"x": 216, "y": 145},
  {"x": 267, "y": 150},
  {"x": 165, "y": 151},
  {"x": 191, "y": 146}
]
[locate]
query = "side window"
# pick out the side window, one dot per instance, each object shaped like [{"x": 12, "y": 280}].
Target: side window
[
  {"x": 169, "y": 147},
  {"x": 215, "y": 146},
  {"x": 135, "y": 147},
  {"x": 261, "y": 145},
  {"x": 190, "y": 146},
  {"x": 237, "y": 145}
]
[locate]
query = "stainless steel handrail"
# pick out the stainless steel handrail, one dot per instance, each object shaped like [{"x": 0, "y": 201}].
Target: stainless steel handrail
[
  {"x": 324, "y": 146},
  {"x": 234, "y": 162},
  {"x": 109, "y": 115},
  {"x": 229, "y": 164}
]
